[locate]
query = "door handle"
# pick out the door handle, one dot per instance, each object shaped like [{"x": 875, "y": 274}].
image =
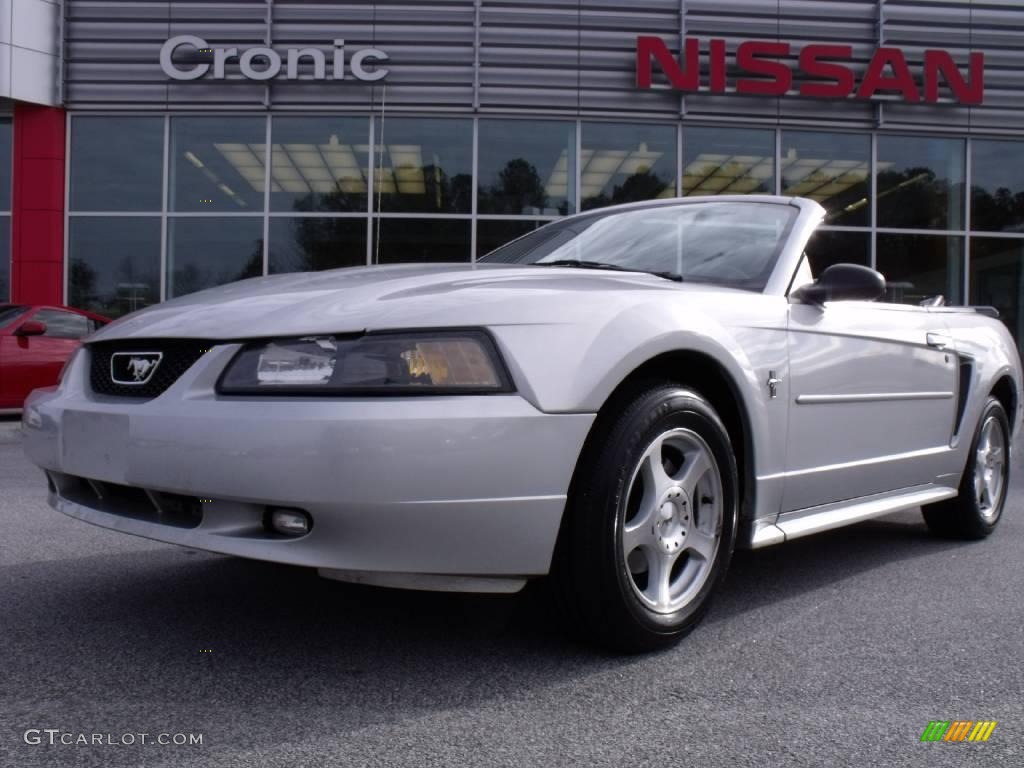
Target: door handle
[{"x": 938, "y": 340}]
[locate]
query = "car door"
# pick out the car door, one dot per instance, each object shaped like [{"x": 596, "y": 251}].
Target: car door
[
  {"x": 35, "y": 361},
  {"x": 872, "y": 400}
]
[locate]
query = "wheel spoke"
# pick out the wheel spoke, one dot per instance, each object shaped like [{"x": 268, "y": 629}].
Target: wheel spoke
[
  {"x": 654, "y": 468},
  {"x": 659, "y": 570},
  {"x": 701, "y": 543},
  {"x": 638, "y": 534},
  {"x": 697, "y": 465}
]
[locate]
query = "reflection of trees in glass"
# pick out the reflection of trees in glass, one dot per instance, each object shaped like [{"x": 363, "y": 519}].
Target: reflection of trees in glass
[
  {"x": 323, "y": 244},
  {"x": 915, "y": 198},
  {"x": 999, "y": 212},
  {"x": 518, "y": 188},
  {"x": 335, "y": 201},
  {"x": 130, "y": 287},
  {"x": 190, "y": 278},
  {"x": 642, "y": 185},
  {"x": 83, "y": 285}
]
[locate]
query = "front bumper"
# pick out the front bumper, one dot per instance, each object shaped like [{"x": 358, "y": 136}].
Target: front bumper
[{"x": 441, "y": 486}]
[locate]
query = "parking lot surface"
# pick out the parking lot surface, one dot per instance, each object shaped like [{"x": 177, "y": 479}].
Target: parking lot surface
[{"x": 832, "y": 650}]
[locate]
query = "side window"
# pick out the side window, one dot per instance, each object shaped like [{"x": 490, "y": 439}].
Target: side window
[{"x": 63, "y": 325}]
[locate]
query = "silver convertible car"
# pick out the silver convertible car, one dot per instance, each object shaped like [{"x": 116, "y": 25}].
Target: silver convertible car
[{"x": 619, "y": 399}]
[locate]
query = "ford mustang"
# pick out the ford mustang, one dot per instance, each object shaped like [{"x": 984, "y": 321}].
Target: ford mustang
[{"x": 618, "y": 399}]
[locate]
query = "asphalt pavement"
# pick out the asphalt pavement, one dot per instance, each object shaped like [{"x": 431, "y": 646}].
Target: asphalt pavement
[{"x": 830, "y": 651}]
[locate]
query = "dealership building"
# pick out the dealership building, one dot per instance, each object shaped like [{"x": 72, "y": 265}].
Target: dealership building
[{"x": 150, "y": 149}]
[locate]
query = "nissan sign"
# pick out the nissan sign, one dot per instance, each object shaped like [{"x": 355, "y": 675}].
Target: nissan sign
[
  {"x": 263, "y": 63},
  {"x": 765, "y": 69}
]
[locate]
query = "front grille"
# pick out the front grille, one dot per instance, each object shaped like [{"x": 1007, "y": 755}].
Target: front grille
[{"x": 178, "y": 356}]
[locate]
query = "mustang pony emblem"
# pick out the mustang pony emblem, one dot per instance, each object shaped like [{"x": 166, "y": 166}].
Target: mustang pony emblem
[
  {"x": 134, "y": 367},
  {"x": 140, "y": 367}
]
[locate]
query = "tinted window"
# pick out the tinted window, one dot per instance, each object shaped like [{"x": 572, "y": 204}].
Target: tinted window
[
  {"x": 426, "y": 165},
  {"x": 728, "y": 161},
  {"x": 5, "y": 257},
  {"x": 920, "y": 182},
  {"x": 626, "y": 163},
  {"x": 997, "y": 185},
  {"x": 527, "y": 167},
  {"x": 63, "y": 325},
  {"x": 114, "y": 263},
  {"x": 918, "y": 267},
  {"x": 10, "y": 312},
  {"x": 832, "y": 169},
  {"x": 319, "y": 164},
  {"x": 422, "y": 240},
  {"x": 6, "y": 155},
  {"x": 997, "y": 279},
  {"x": 204, "y": 252},
  {"x": 116, "y": 163},
  {"x": 733, "y": 244},
  {"x": 494, "y": 234},
  {"x": 313, "y": 243},
  {"x": 217, "y": 163},
  {"x": 828, "y": 247}
]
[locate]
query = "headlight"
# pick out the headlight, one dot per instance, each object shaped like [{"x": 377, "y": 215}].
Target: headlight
[{"x": 419, "y": 362}]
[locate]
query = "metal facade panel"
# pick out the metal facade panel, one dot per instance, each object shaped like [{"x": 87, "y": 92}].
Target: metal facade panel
[{"x": 573, "y": 57}]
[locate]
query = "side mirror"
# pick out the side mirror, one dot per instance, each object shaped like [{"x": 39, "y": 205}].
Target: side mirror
[
  {"x": 30, "y": 328},
  {"x": 842, "y": 282}
]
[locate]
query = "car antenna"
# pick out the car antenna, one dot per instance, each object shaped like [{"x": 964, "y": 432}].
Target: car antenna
[{"x": 380, "y": 171}]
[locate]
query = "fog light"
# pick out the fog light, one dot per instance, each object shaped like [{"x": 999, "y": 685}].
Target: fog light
[{"x": 290, "y": 522}]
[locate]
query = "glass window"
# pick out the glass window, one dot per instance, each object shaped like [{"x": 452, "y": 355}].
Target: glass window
[
  {"x": 422, "y": 240},
  {"x": 114, "y": 263},
  {"x": 10, "y": 312},
  {"x": 426, "y": 165},
  {"x": 997, "y": 279},
  {"x": 217, "y": 163},
  {"x": 997, "y": 185},
  {"x": 728, "y": 161},
  {"x": 117, "y": 163},
  {"x": 917, "y": 267},
  {"x": 6, "y": 159},
  {"x": 826, "y": 248},
  {"x": 832, "y": 169},
  {"x": 920, "y": 182},
  {"x": 63, "y": 325},
  {"x": 204, "y": 252},
  {"x": 309, "y": 243},
  {"x": 626, "y": 163},
  {"x": 527, "y": 167},
  {"x": 494, "y": 234},
  {"x": 726, "y": 243},
  {"x": 5, "y": 258},
  {"x": 320, "y": 164}
]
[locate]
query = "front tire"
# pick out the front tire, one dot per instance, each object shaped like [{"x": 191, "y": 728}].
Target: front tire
[
  {"x": 651, "y": 520},
  {"x": 975, "y": 511}
]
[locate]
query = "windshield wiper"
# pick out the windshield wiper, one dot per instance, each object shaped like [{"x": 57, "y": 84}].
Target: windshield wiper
[{"x": 583, "y": 264}]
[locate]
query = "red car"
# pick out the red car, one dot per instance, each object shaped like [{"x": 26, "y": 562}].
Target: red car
[{"x": 35, "y": 342}]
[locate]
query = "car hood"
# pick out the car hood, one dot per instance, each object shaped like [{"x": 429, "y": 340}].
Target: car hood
[{"x": 400, "y": 296}]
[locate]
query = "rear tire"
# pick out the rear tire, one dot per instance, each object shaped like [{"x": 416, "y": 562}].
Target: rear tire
[
  {"x": 978, "y": 506},
  {"x": 651, "y": 520}
]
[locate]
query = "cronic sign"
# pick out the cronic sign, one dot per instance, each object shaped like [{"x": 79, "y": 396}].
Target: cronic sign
[{"x": 265, "y": 63}]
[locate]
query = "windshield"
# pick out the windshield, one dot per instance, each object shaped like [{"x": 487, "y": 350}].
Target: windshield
[
  {"x": 8, "y": 312},
  {"x": 734, "y": 244}
]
